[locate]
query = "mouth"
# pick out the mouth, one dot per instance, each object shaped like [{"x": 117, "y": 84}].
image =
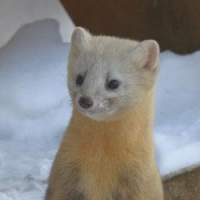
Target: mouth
[
  {"x": 98, "y": 114},
  {"x": 93, "y": 111}
]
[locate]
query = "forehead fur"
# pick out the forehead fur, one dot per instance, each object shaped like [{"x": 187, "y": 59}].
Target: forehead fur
[
  {"x": 104, "y": 53},
  {"x": 112, "y": 46},
  {"x": 106, "y": 47}
]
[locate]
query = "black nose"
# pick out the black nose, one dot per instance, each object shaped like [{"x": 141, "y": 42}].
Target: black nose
[{"x": 85, "y": 102}]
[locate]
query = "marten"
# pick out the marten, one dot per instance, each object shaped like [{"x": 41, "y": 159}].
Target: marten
[{"x": 107, "y": 152}]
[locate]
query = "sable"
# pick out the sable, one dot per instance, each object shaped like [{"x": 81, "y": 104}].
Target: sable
[{"x": 107, "y": 152}]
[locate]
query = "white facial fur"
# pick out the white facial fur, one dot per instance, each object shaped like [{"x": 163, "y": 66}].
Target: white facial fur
[{"x": 100, "y": 59}]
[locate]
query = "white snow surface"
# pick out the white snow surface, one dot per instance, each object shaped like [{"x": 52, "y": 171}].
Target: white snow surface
[
  {"x": 35, "y": 109},
  {"x": 16, "y": 13},
  {"x": 177, "y": 124}
]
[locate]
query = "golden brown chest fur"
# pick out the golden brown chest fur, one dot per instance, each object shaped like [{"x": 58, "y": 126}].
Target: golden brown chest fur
[{"x": 106, "y": 160}]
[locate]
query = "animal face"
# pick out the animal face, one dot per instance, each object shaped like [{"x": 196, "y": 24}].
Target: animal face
[{"x": 108, "y": 75}]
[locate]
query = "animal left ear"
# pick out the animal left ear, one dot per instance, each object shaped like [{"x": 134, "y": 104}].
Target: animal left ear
[
  {"x": 80, "y": 41},
  {"x": 80, "y": 38},
  {"x": 147, "y": 55}
]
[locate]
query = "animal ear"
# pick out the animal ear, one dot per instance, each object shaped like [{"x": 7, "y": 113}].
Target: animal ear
[
  {"x": 147, "y": 55},
  {"x": 80, "y": 39}
]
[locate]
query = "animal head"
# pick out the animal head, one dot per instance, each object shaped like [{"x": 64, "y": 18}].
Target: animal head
[{"x": 108, "y": 75}]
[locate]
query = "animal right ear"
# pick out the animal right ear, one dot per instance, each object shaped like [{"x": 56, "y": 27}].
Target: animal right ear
[
  {"x": 79, "y": 40},
  {"x": 147, "y": 55}
]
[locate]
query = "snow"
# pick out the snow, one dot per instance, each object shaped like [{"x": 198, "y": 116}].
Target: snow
[
  {"x": 178, "y": 112},
  {"x": 15, "y": 13},
  {"x": 35, "y": 109}
]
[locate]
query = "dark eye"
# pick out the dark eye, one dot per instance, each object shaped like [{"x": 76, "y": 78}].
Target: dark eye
[
  {"x": 79, "y": 80},
  {"x": 113, "y": 84}
]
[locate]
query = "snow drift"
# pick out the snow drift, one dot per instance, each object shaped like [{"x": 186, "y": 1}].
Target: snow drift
[
  {"x": 16, "y": 13},
  {"x": 34, "y": 108}
]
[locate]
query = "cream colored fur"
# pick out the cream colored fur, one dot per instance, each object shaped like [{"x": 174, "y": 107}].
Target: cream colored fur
[{"x": 109, "y": 156}]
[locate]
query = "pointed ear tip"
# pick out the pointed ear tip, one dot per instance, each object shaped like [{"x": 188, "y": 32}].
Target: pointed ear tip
[
  {"x": 154, "y": 44},
  {"x": 79, "y": 32},
  {"x": 151, "y": 42},
  {"x": 79, "y": 29}
]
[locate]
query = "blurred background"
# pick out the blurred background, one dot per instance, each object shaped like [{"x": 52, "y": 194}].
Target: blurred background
[
  {"x": 173, "y": 23},
  {"x": 35, "y": 105}
]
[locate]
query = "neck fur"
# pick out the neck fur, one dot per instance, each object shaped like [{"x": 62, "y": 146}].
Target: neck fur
[{"x": 134, "y": 126}]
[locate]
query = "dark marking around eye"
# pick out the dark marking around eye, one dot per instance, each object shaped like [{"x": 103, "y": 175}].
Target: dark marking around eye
[
  {"x": 79, "y": 80},
  {"x": 113, "y": 84}
]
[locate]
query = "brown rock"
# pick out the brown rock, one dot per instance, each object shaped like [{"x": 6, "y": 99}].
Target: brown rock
[{"x": 183, "y": 187}]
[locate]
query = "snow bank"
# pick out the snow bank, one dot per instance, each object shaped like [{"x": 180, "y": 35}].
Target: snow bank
[
  {"x": 178, "y": 112},
  {"x": 35, "y": 109},
  {"x": 15, "y": 13}
]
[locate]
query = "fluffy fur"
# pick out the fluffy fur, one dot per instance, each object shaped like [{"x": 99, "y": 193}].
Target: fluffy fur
[{"x": 107, "y": 152}]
